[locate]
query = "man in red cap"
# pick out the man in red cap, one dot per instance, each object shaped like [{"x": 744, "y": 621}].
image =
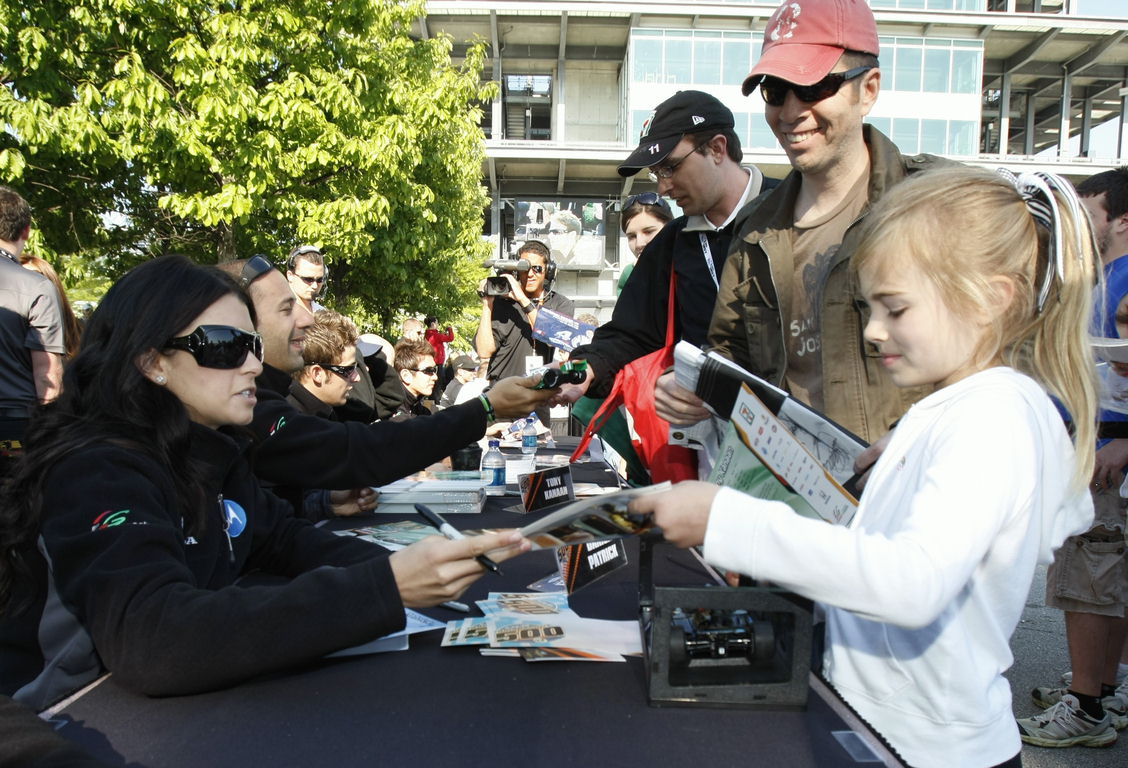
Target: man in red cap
[{"x": 786, "y": 308}]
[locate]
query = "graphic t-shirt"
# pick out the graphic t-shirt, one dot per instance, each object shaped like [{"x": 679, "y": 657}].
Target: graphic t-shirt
[{"x": 814, "y": 246}]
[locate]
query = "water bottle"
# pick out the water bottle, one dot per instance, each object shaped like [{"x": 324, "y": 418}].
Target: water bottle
[
  {"x": 493, "y": 470},
  {"x": 529, "y": 436}
]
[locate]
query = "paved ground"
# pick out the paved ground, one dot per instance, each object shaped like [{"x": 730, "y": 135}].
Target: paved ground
[{"x": 1040, "y": 656}]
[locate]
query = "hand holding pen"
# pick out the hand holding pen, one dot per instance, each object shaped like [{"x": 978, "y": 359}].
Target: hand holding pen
[
  {"x": 435, "y": 570},
  {"x": 453, "y": 534}
]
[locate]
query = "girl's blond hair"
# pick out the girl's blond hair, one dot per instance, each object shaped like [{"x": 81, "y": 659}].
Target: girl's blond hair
[{"x": 964, "y": 228}]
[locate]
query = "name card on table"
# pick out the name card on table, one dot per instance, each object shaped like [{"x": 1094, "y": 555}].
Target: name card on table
[{"x": 546, "y": 488}]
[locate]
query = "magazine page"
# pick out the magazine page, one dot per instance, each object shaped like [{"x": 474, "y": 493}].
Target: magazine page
[
  {"x": 562, "y": 331},
  {"x": 592, "y": 519},
  {"x": 718, "y": 382},
  {"x": 760, "y": 456}
]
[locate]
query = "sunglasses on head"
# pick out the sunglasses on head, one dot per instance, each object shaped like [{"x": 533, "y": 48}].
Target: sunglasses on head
[
  {"x": 431, "y": 370},
  {"x": 218, "y": 346},
  {"x": 256, "y": 266},
  {"x": 646, "y": 198},
  {"x": 344, "y": 371},
  {"x": 775, "y": 90}
]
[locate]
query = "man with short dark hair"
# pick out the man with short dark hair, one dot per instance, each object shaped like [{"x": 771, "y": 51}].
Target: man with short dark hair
[
  {"x": 330, "y": 370},
  {"x": 465, "y": 371},
  {"x": 505, "y": 328},
  {"x": 1088, "y": 579},
  {"x": 691, "y": 149},
  {"x": 290, "y": 445},
  {"x": 31, "y": 331},
  {"x": 415, "y": 365},
  {"x": 306, "y": 273},
  {"x": 323, "y": 383}
]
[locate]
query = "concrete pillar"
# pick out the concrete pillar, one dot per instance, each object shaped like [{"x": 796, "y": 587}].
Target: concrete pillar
[
  {"x": 1028, "y": 134},
  {"x": 1066, "y": 110},
  {"x": 1004, "y": 115},
  {"x": 1086, "y": 125}
]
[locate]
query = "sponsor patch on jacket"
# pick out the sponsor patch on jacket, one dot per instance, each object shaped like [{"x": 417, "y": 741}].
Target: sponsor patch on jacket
[
  {"x": 236, "y": 517},
  {"x": 109, "y": 519}
]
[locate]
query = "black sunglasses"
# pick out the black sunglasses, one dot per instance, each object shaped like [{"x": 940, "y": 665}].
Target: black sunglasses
[
  {"x": 536, "y": 269},
  {"x": 646, "y": 198},
  {"x": 311, "y": 280},
  {"x": 344, "y": 371},
  {"x": 430, "y": 370},
  {"x": 256, "y": 266},
  {"x": 218, "y": 346},
  {"x": 775, "y": 90}
]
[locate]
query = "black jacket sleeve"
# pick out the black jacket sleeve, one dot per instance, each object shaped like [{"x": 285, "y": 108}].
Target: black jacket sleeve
[
  {"x": 292, "y": 447},
  {"x": 162, "y": 609},
  {"x": 638, "y": 322}
]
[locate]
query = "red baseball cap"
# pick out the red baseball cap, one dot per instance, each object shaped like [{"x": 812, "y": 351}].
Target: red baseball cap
[{"x": 805, "y": 38}]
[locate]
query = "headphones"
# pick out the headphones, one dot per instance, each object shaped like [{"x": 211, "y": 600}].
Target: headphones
[
  {"x": 302, "y": 250},
  {"x": 549, "y": 264}
]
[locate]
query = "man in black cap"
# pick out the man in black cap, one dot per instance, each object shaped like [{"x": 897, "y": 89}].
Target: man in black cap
[
  {"x": 465, "y": 370},
  {"x": 694, "y": 156}
]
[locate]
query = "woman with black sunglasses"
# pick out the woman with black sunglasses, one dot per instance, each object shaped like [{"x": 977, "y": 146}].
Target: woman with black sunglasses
[{"x": 133, "y": 513}]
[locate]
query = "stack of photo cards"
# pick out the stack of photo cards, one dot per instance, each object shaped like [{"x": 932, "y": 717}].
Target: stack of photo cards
[{"x": 542, "y": 627}]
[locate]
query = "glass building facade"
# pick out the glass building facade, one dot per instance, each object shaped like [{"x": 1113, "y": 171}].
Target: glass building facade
[{"x": 935, "y": 80}]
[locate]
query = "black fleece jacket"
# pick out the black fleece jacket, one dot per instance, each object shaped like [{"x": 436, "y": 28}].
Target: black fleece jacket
[
  {"x": 131, "y": 591},
  {"x": 293, "y": 448}
]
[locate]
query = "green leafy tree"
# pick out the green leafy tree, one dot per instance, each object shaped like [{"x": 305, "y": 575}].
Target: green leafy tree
[{"x": 224, "y": 128}]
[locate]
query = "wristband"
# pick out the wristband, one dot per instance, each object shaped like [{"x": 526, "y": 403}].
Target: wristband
[
  {"x": 490, "y": 416},
  {"x": 529, "y": 308}
]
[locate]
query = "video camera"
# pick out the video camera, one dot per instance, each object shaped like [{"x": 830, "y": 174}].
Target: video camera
[{"x": 498, "y": 285}]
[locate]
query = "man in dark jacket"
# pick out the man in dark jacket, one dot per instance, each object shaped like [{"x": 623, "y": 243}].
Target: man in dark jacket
[
  {"x": 694, "y": 155},
  {"x": 336, "y": 455}
]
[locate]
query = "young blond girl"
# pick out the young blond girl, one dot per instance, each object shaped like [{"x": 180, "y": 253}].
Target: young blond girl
[{"x": 984, "y": 294}]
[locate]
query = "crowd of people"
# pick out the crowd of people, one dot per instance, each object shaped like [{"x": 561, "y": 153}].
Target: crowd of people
[{"x": 211, "y": 415}]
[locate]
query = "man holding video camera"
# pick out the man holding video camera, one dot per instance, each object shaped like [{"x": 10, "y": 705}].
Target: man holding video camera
[{"x": 510, "y": 303}]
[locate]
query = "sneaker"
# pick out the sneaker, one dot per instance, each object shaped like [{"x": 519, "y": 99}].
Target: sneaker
[
  {"x": 1065, "y": 725},
  {"x": 1115, "y": 705}
]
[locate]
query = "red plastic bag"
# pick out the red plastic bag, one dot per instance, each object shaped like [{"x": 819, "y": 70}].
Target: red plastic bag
[{"x": 634, "y": 390}]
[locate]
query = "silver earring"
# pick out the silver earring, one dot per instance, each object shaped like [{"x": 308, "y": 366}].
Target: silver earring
[{"x": 160, "y": 380}]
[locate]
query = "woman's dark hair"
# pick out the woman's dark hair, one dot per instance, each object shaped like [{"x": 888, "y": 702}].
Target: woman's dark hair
[
  {"x": 659, "y": 210},
  {"x": 106, "y": 398}
]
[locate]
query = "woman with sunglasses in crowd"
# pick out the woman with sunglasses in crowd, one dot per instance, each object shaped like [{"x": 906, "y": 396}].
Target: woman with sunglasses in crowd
[
  {"x": 643, "y": 217},
  {"x": 134, "y": 512}
]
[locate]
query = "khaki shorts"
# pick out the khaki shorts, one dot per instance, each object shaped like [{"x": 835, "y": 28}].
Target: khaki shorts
[{"x": 1090, "y": 571}]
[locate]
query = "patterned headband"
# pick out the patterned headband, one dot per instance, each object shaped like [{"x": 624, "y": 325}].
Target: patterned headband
[{"x": 1037, "y": 191}]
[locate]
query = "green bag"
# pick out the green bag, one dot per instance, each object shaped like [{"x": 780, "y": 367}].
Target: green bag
[{"x": 616, "y": 434}]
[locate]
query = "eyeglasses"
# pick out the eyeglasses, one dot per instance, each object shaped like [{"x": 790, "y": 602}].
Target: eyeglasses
[
  {"x": 346, "y": 372},
  {"x": 218, "y": 346},
  {"x": 775, "y": 90},
  {"x": 257, "y": 266},
  {"x": 646, "y": 198},
  {"x": 537, "y": 269},
  {"x": 310, "y": 280},
  {"x": 431, "y": 370},
  {"x": 669, "y": 169}
]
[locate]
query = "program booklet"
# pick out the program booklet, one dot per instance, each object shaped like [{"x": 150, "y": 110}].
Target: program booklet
[
  {"x": 592, "y": 519},
  {"x": 719, "y": 382},
  {"x": 562, "y": 331},
  {"x": 760, "y": 456}
]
